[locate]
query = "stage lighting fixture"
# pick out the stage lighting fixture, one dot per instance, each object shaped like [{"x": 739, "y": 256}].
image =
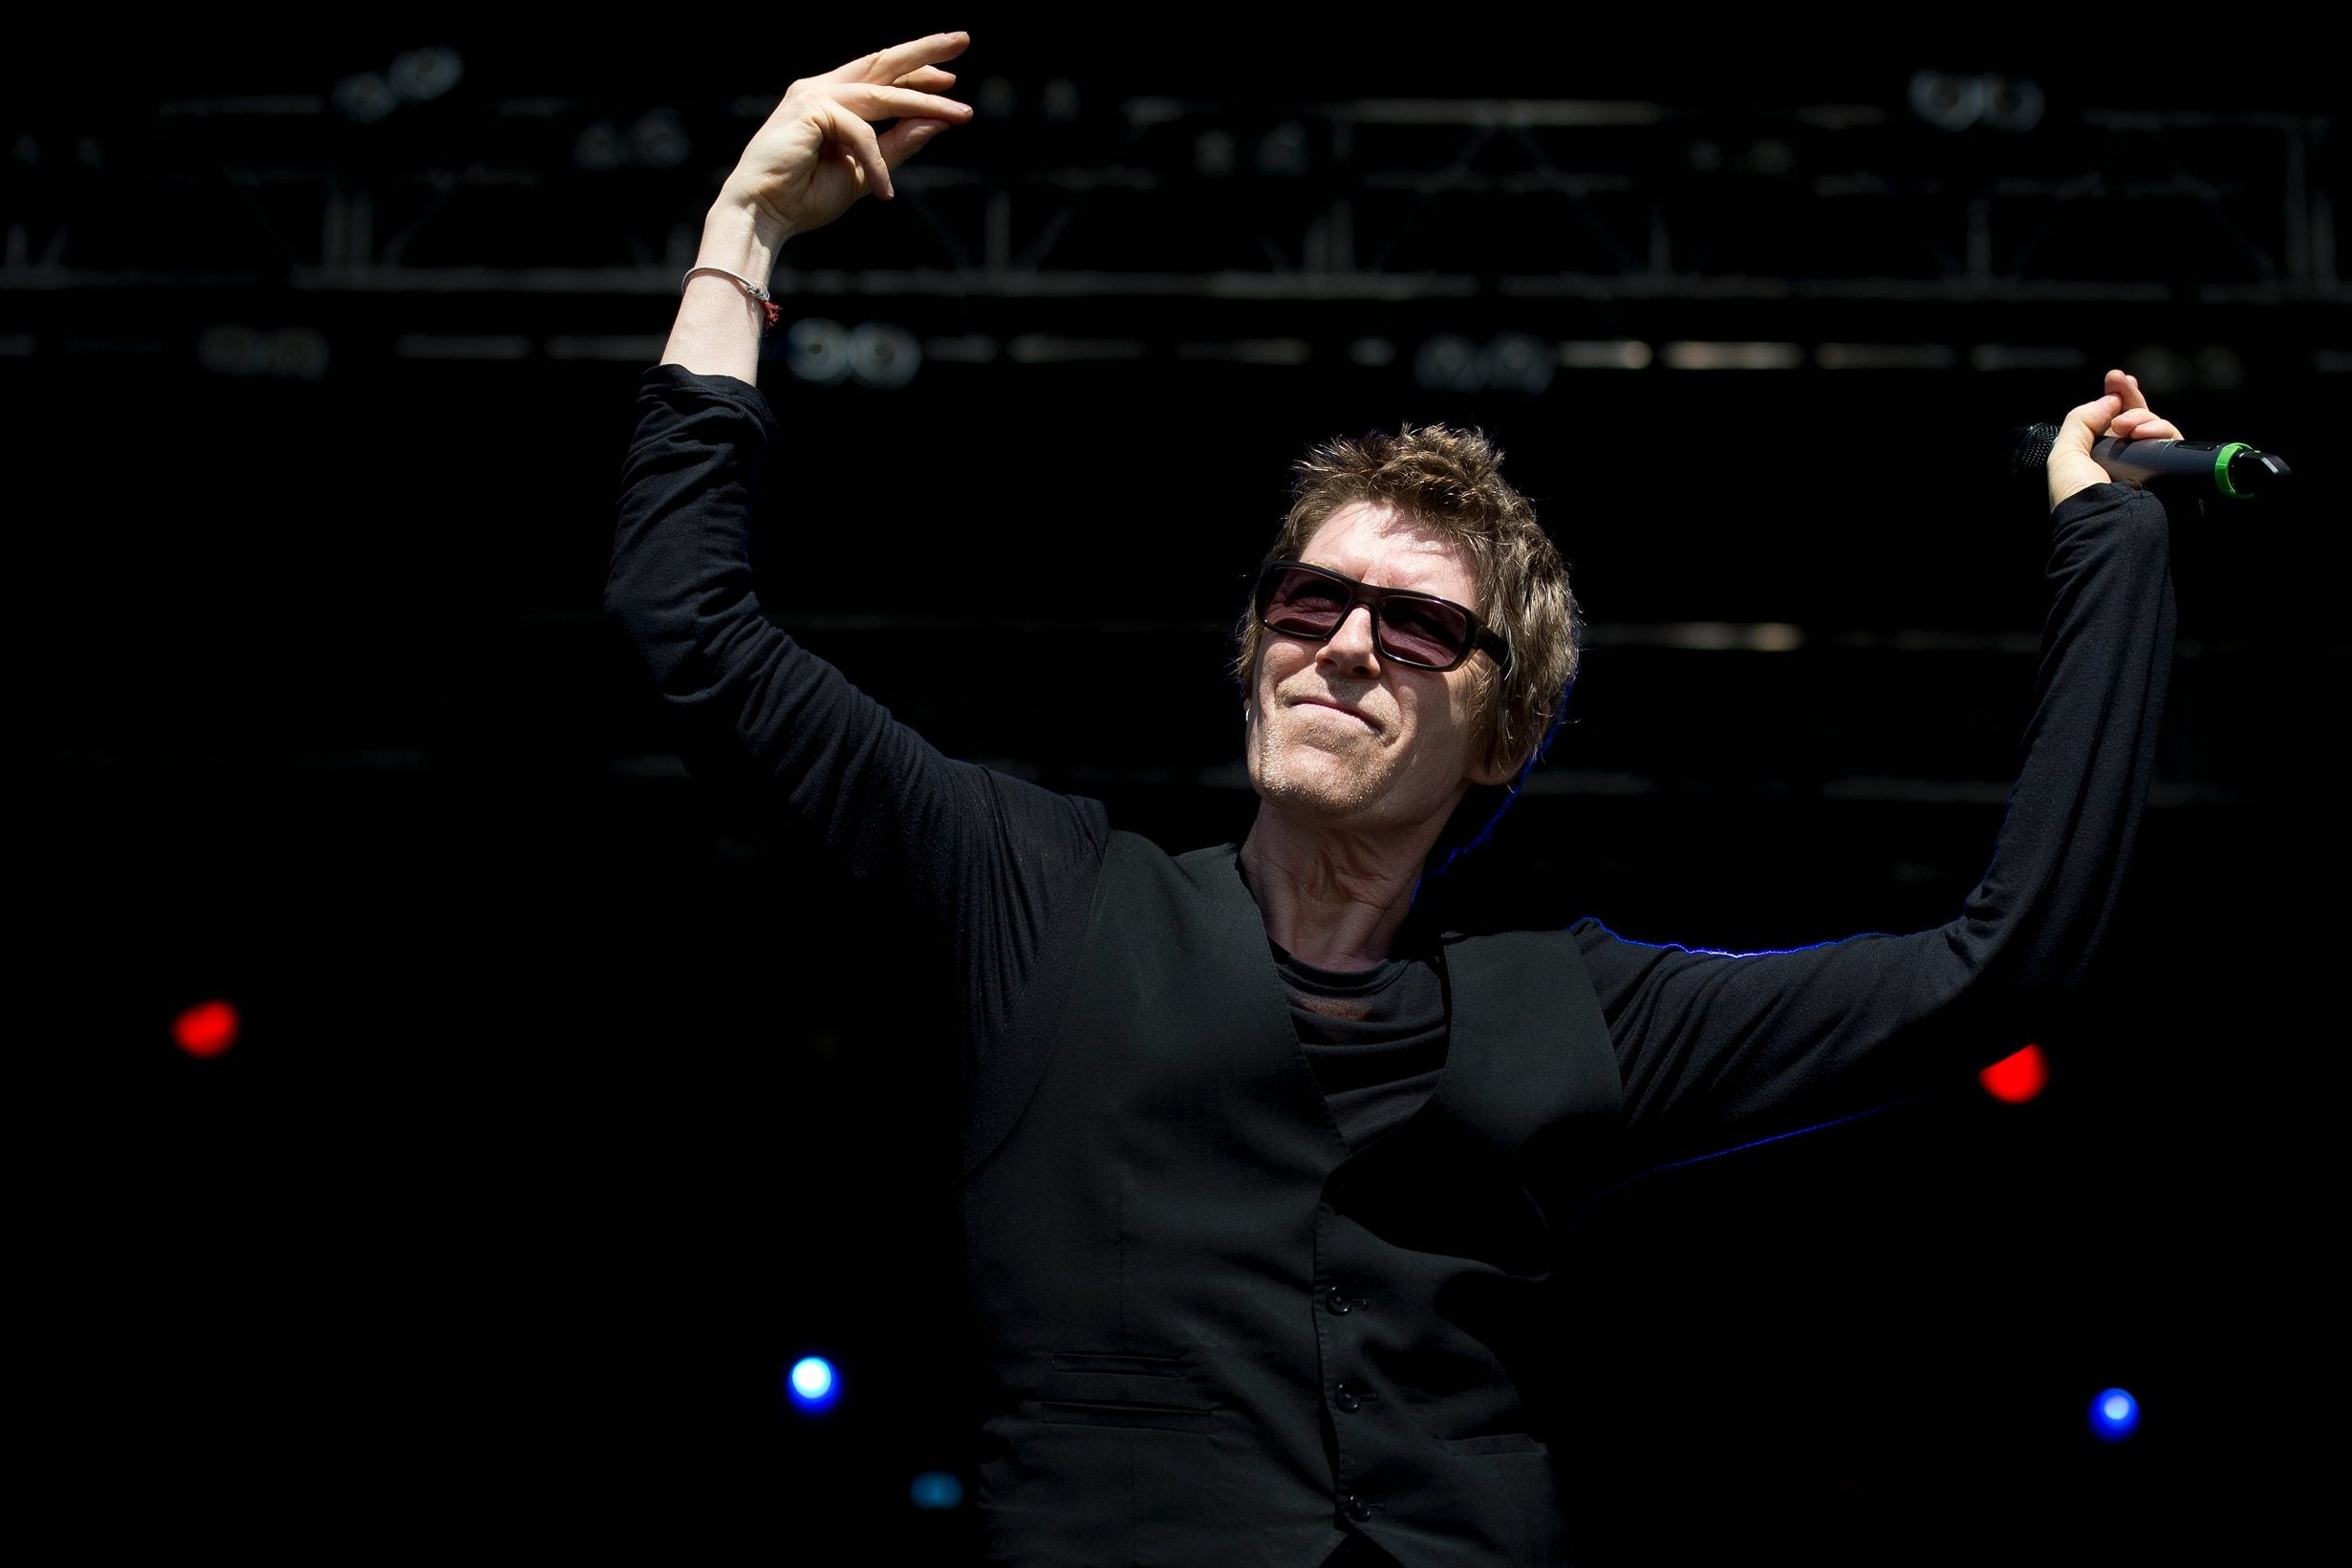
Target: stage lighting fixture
[
  {"x": 422, "y": 74},
  {"x": 1946, "y": 101},
  {"x": 2018, "y": 1077},
  {"x": 298, "y": 353},
  {"x": 2011, "y": 103},
  {"x": 1449, "y": 363},
  {"x": 206, "y": 1029},
  {"x": 817, "y": 350},
  {"x": 660, "y": 139},
  {"x": 2115, "y": 1414},
  {"x": 1605, "y": 354},
  {"x": 813, "y": 1385},
  {"x": 1284, "y": 151},
  {"x": 1517, "y": 362},
  {"x": 1694, "y": 355},
  {"x": 599, "y": 148},
  {"x": 1953, "y": 102},
  {"x": 883, "y": 355}
]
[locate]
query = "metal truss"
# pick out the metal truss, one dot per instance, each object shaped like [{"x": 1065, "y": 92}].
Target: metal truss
[{"x": 1224, "y": 227}]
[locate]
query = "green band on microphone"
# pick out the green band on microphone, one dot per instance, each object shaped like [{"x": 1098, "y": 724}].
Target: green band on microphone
[{"x": 2221, "y": 467}]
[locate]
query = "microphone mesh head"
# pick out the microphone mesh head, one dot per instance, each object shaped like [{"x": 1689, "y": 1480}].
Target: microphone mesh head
[{"x": 2028, "y": 447}]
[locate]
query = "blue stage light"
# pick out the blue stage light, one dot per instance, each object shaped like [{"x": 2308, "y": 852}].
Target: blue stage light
[
  {"x": 937, "y": 1489},
  {"x": 2114, "y": 1414},
  {"x": 813, "y": 1384}
]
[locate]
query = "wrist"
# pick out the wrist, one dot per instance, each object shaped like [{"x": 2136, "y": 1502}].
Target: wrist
[{"x": 741, "y": 240}]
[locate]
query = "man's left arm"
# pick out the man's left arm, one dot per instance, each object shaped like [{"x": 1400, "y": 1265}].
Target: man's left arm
[{"x": 1711, "y": 1040}]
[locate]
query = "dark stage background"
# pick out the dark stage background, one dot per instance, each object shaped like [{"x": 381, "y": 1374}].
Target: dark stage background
[{"x": 571, "y": 1106}]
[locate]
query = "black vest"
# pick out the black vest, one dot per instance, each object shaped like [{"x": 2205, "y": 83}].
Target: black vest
[{"x": 1217, "y": 1337}]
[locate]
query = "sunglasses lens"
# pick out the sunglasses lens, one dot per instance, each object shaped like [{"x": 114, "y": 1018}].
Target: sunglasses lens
[
  {"x": 1419, "y": 631},
  {"x": 1305, "y": 604}
]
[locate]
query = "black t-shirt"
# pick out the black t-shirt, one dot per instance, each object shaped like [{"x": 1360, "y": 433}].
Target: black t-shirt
[{"x": 1375, "y": 1037}]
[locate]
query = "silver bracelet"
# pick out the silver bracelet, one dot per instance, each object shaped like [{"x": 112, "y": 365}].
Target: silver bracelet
[{"x": 768, "y": 307}]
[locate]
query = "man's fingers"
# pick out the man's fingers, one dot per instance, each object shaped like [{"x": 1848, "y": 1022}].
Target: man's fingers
[
  {"x": 904, "y": 139},
  {"x": 876, "y": 101},
  {"x": 929, "y": 78},
  {"x": 2144, "y": 424},
  {"x": 2086, "y": 422},
  {"x": 892, "y": 63},
  {"x": 856, "y": 138},
  {"x": 2125, "y": 388},
  {"x": 2134, "y": 421}
]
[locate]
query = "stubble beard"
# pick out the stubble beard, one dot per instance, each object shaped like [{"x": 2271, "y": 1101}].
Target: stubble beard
[{"x": 1312, "y": 782}]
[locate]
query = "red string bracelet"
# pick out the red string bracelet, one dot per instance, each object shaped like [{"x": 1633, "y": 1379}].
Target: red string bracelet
[{"x": 767, "y": 307}]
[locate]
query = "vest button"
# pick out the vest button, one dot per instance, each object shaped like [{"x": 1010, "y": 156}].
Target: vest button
[
  {"x": 1355, "y": 1508},
  {"x": 1338, "y": 1301},
  {"x": 1346, "y": 1398}
]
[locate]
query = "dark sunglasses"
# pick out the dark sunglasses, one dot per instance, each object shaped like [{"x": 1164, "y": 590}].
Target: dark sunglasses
[{"x": 1417, "y": 629}]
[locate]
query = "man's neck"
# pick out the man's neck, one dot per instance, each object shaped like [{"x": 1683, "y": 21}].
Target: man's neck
[{"x": 1334, "y": 898}]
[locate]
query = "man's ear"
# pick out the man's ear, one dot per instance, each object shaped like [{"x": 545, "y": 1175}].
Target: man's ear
[
  {"x": 1490, "y": 771},
  {"x": 1495, "y": 773}
]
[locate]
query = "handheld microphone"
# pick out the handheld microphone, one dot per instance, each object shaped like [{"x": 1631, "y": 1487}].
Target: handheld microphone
[{"x": 2230, "y": 468}]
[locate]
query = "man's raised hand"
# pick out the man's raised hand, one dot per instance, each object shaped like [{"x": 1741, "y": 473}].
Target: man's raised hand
[
  {"x": 819, "y": 150},
  {"x": 2120, "y": 410}
]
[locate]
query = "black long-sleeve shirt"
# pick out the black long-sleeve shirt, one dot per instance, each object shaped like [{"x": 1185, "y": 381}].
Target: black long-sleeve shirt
[{"x": 1711, "y": 1046}]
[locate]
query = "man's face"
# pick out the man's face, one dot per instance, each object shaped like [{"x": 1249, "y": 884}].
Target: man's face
[{"x": 1339, "y": 734}]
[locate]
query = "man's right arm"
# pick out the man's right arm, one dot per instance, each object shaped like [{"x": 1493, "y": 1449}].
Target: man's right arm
[
  {"x": 757, "y": 711},
  {"x": 986, "y": 858}
]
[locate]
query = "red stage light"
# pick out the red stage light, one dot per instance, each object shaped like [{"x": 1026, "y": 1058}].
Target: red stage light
[
  {"x": 206, "y": 1029},
  {"x": 2016, "y": 1078}
]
